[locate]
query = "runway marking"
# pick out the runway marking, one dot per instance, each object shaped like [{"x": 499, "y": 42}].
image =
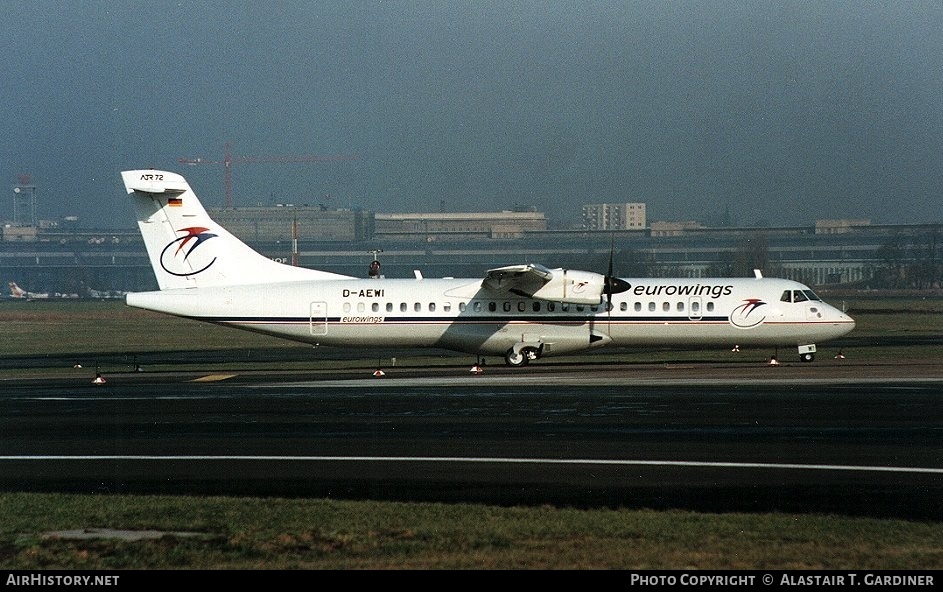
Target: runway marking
[
  {"x": 509, "y": 380},
  {"x": 213, "y": 377},
  {"x": 465, "y": 459}
]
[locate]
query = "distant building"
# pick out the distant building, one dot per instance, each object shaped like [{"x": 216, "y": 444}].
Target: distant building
[
  {"x": 14, "y": 233},
  {"x": 672, "y": 228},
  {"x": 63, "y": 260},
  {"x": 431, "y": 227},
  {"x": 279, "y": 223},
  {"x": 838, "y": 226},
  {"x": 613, "y": 216}
]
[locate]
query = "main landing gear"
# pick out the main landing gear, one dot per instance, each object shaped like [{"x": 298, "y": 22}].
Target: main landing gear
[{"x": 518, "y": 357}]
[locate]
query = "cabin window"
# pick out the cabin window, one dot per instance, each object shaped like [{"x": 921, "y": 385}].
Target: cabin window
[
  {"x": 462, "y": 306},
  {"x": 492, "y": 306},
  {"x": 565, "y": 307},
  {"x": 506, "y": 306},
  {"x": 551, "y": 306},
  {"x": 389, "y": 307},
  {"x": 666, "y": 306},
  {"x": 680, "y": 307},
  {"x": 638, "y": 307},
  {"x": 432, "y": 307},
  {"x": 447, "y": 307},
  {"x": 710, "y": 307},
  {"x": 375, "y": 307},
  {"x": 477, "y": 306},
  {"x": 402, "y": 307},
  {"x": 594, "y": 308},
  {"x": 695, "y": 306},
  {"x": 361, "y": 307},
  {"x": 347, "y": 307},
  {"x": 623, "y": 306},
  {"x": 536, "y": 306},
  {"x": 651, "y": 307},
  {"x": 580, "y": 308},
  {"x": 521, "y": 306},
  {"x": 417, "y": 306}
]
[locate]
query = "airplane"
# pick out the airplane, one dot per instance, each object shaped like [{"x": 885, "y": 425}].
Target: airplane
[
  {"x": 522, "y": 312},
  {"x": 18, "y": 292},
  {"x": 93, "y": 293}
]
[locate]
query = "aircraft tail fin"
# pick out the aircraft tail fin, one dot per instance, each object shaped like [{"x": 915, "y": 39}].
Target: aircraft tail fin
[
  {"x": 16, "y": 291},
  {"x": 187, "y": 248}
]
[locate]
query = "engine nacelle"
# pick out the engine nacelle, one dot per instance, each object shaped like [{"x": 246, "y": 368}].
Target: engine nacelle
[{"x": 574, "y": 286}]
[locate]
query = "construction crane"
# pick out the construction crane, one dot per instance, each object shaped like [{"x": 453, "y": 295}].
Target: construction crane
[{"x": 228, "y": 161}]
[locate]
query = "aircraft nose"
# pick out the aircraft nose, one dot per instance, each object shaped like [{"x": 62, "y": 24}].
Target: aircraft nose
[{"x": 845, "y": 320}]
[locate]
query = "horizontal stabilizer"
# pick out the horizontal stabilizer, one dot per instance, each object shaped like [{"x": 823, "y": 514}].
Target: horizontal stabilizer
[{"x": 154, "y": 182}]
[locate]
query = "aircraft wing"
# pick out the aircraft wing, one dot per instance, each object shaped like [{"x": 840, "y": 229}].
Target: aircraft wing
[
  {"x": 536, "y": 281},
  {"x": 523, "y": 280}
]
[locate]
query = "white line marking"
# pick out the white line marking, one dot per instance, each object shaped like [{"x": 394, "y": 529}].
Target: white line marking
[
  {"x": 614, "y": 380},
  {"x": 464, "y": 459}
]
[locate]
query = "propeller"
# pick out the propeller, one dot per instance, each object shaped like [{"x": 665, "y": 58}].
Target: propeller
[{"x": 612, "y": 285}]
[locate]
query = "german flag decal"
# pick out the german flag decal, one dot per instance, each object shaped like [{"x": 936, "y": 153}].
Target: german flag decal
[{"x": 175, "y": 202}]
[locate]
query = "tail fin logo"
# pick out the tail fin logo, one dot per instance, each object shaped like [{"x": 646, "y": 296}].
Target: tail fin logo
[
  {"x": 745, "y": 315},
  {"x": 178, "y": 256}
]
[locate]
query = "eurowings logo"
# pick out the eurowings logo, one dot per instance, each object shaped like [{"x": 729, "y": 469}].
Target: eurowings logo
[
  {"x": 746, "y": 316},
  {"x": 178, "y": 256}
]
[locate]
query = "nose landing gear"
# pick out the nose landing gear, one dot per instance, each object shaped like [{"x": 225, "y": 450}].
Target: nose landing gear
[{"x": 807, "y": 352}]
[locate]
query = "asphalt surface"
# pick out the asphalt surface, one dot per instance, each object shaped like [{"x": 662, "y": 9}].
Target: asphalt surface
[{"x": 829, "y": 437}]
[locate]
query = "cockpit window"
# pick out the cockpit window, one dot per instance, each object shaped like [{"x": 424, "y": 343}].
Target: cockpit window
[
  {"x": 787, "y": 296},
  {"x": 811, "y": 295},
  {"x": 798, "y": 296}
]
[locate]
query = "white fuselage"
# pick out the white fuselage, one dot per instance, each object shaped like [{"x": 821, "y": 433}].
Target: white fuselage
[{"x": 457, "y": 314}]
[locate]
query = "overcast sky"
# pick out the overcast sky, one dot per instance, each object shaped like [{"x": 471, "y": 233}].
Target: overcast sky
[{"x": 774, "y": 113}]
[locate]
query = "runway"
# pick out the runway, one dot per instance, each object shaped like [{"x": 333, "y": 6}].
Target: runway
[{"x": 826, "y": 439}]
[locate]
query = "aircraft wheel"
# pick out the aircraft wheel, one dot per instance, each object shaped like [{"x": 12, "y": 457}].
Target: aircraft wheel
[
  {"x": 516, "y": 359},
  {"x": 806, "y": 357}
]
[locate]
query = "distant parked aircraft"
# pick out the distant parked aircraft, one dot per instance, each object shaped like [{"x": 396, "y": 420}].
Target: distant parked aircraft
[
  {"x": 93, "y": 293},
  {"x": 18, "y": 292}
]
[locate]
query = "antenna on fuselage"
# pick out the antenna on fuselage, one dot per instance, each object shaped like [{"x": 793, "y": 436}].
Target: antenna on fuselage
[
  {"x": 758, "y": 274},
  {"x": 375, "y": 264}
]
